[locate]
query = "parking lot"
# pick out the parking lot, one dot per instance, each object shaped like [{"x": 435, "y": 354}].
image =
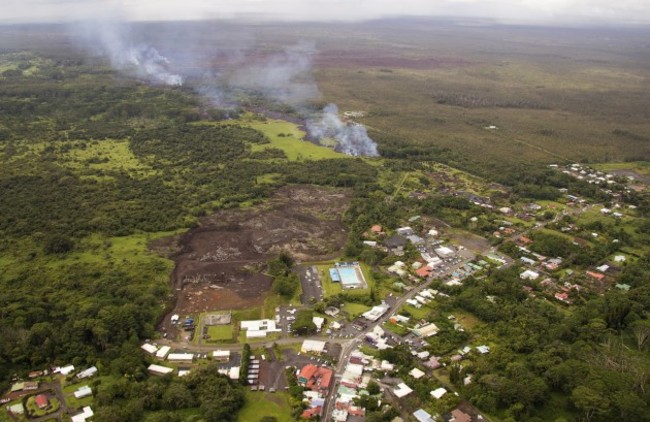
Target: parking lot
[
  {"x": 312, "y": 290},
  {"x": 285, "y": 317}
]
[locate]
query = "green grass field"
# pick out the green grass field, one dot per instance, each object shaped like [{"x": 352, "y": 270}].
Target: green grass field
[
  {"x": 640, "y": 167},
  {"x": 260, "y": 404},
  {"x": 292, "y": 144},
  {"x": 220, "y": 332},
  {"x": 354, "y": 309}
]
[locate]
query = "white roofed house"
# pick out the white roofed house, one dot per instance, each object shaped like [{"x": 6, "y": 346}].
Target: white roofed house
[
  {"x": 402, "y": 390},
  {"x": 313, "y": 346},
  {"x": 529, "y": 275},
  {"x": 83, "y": 416},
  {"x": 221, "y": 355},
  {"x": 416, "y": 373},
  {"x": 259, "y": 328},
  {"x": 160, "y": 370},
  {"x": 87, "y": 373},
  {"x": 318, "y": 322},
  {"x": 438, "y": 393},
  {"x": 180, "y": 357},
  {"x": 149, "y": 348},
  {"x": 82, "y": 392},
  {"x": 163, "y": 352}
]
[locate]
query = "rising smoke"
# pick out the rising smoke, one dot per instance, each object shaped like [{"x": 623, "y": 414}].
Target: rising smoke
[
  {"x": 352, "y": 138},
  {"x": 284, "y": 77},
  {"x": 139, "y": 59}
]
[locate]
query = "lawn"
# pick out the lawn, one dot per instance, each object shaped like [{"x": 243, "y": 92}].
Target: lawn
[
  {"x": 53, "y": 406},
  {"x": 75, "y": 403},
  {"x": 220, "y": 332},
  {"x": 397, "y": 329},
  {"x": 416, "y": 313},
  {"x": 260, "y": 404},
  {"x": 354, "y": 309}
]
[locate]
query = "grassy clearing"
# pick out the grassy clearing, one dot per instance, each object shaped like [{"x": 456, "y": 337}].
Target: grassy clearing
[
  {"x": 260, "y": 404},
  {"x": 397, "y": 329},
  {"x": 220, "y": 332},
  {"x": 354, "y": 309},
  {"x": 75, "y": 403},
  {"x": 291, "y": 142},
  {"x": 107, "y": 155},
  {"x": 640, "y": 167},
  {"x": 417, "y": 313}
]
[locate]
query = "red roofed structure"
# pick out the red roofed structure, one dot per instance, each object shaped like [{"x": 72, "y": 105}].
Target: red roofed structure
[
  {"x": 315, "y": 378},
  {"x": 310, "y": 413},
  {"x": 376, "y": 229},
  {"x": 424, "y": 272},
  {"x": 41, "y": 401},
  {"x": 597, "y": 276}
]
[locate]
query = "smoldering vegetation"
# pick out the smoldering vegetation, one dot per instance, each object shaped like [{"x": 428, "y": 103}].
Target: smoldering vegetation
[{"x": 225, "y": 74}]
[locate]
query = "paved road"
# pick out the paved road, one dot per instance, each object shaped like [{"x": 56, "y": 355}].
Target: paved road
[{"x": 348, "y": 347}]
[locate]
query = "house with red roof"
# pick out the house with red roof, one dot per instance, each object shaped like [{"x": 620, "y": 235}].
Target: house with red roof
[
  {"x": 376, "y": 229},
  {"x": 316, "y": 378},
  {"x": 310, "y": 413},
  {"x": 597, "y": 276},
  {"x": 42, "y": 401},
  {"x": 424, "y": 272}
]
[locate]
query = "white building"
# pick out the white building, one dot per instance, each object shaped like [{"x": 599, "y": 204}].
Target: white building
[
  {"x": 416, "y": 373},
  {"x": 313, "y": 346},
  {"x": 163, "y": 352},
  {"x": 65, "y": 370},
  {"x": 259, "y": 328},
  {"x": 83, "y": 416},
  {"x": 318, "y": 322},
  {"x": 376, "y": 312},
  {"x": 221, "y": 355},
  {"x": 529, "y": 275},
  {"x": 180, "y": 357},
  {"x": 402, "y": 390},
  {"x": 82, "y": 392},
  {"x": 160, "y": 370},
  {"x": 87, "y": 373},
  {"x": 438, "y": 393},
  {"x": 444, "y": 252},
  {"x": 149, "y": 348}
]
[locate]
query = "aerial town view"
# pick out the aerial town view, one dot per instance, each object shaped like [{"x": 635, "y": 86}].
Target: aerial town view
[{"x": 315, "y": 211}]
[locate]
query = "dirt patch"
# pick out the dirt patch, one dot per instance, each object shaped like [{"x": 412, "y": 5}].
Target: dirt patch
[
  {"x": 219, "y": 264},
  {"x": 470, "y": 241}
]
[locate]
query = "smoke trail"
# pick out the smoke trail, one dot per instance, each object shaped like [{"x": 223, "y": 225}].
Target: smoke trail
[
  {"x": 352, "y": 138},
  {"x": 142, "y": 60}
]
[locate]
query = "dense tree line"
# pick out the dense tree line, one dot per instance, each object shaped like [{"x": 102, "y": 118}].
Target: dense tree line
[
  {"x": 543, "y": 350},
  {"x": 215, "y": 397}
]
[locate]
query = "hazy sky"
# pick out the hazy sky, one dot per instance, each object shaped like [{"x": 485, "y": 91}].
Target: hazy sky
[{"x": 609, "y": 12}]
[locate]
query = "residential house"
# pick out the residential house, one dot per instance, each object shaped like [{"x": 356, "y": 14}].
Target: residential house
[{"x": 422, "y": 416}]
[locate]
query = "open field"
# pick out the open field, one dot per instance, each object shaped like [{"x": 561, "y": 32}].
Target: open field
[
  {"x": 220, "y": 332},
  {"x": 288, "y": 137},
  {"x": 260, "y": 404}
]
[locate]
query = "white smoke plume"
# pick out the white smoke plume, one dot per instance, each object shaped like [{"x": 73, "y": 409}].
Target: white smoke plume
[
  {"x": 284, "y": 77},
  {"x": 352, "y": 138},
  {"x": 140, "y": 59},
  {"x": 147, "y": 62},
  {"x": 228, "y": 74}
]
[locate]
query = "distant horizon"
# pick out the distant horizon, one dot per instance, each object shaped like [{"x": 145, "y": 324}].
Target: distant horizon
[
  {"x": 460, "y": 21},
  {"x": 563, "y": 13}
]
